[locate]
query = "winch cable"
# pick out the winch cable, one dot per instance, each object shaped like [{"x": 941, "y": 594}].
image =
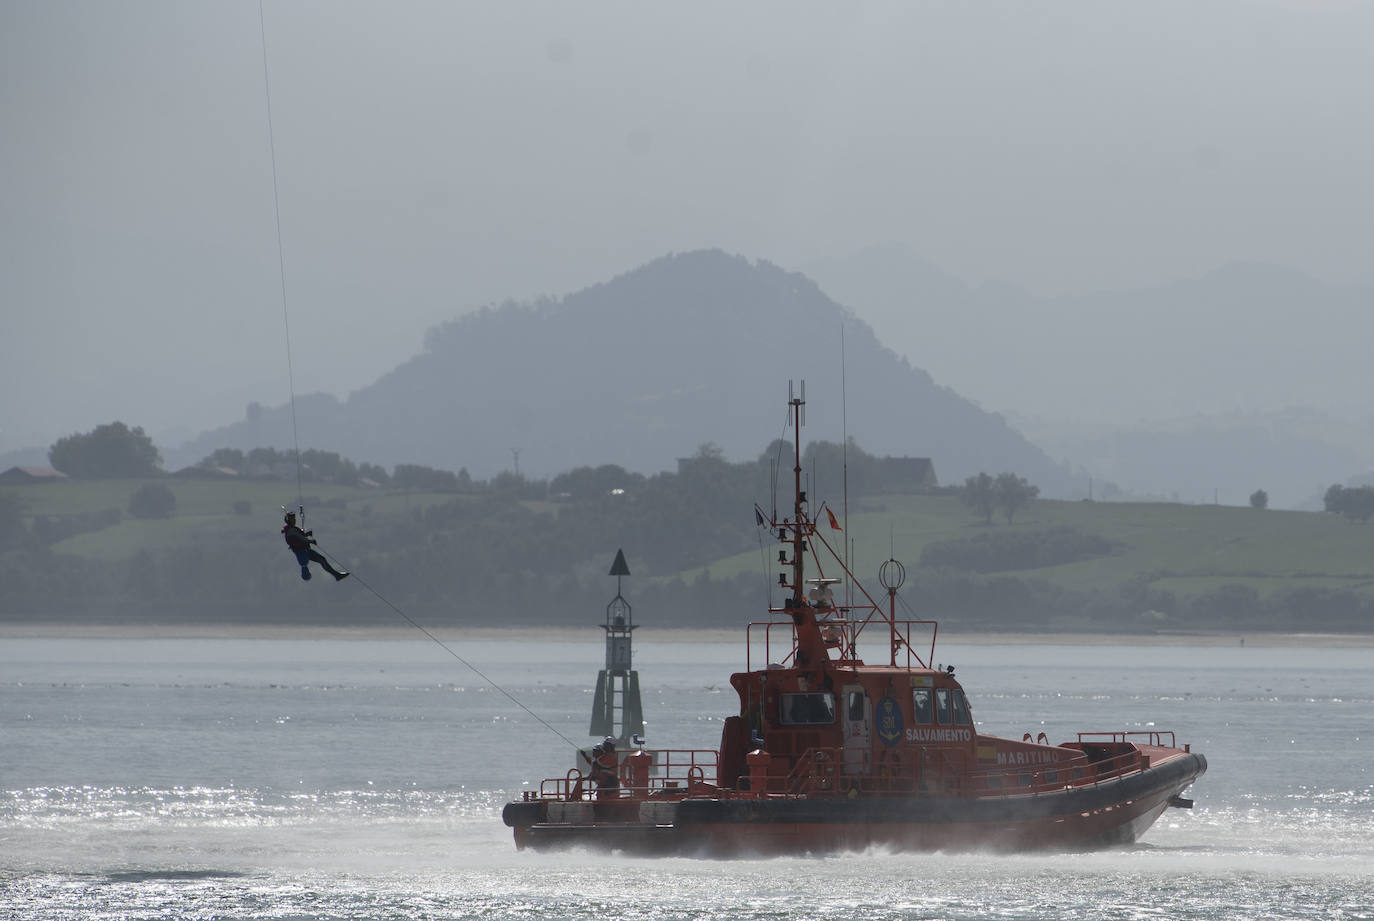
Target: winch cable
[
  {"x": 764, "y": 570},
  {"x": 281, "y": 262},
  {"x": 295, "y": 432},
  {"x": 776, "y": 472},
  {"x": 450, "y": 650}
]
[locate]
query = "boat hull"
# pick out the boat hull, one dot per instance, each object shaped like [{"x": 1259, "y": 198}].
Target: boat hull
[{"x": 1111, "y": 812}]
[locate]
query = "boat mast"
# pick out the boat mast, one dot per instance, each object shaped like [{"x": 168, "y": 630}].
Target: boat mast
[
  {"x": 798, "y": 405},
  {"x": 810, "y": 651}
]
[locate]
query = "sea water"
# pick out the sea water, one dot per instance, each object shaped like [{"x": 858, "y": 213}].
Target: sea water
[{"x": 349, "y": 779}]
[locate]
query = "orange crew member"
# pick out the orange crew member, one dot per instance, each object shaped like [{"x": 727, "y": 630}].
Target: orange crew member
[{"x": 606, "y": 769}]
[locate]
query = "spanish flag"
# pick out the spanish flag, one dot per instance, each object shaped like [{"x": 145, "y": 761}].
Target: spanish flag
[{"x": 833, "y": 523}]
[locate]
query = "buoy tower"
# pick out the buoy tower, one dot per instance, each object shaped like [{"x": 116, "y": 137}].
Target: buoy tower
[{"x": 616, "y": 709}]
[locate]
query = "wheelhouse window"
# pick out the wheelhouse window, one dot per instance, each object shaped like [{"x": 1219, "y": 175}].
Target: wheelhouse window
[
  {"x": 854, "y": 704},
  {"x": 922, "y": 706},
  {"x": 951, "y": 708},
  {"x": 961, "y": 712},
  {"x": 811, "y": 709}
]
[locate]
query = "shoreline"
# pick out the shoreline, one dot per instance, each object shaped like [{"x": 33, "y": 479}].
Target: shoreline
[{"x": 590, "y": 634}]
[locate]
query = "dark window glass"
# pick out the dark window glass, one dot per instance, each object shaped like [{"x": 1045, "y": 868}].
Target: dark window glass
[
  {"x": 942, "y": 706},
  {"x": 920, "y": 700},
  {"x": 807, "y": 709},
  {"x": 856, "y": 706},
  {"x": 961, "y": 714}
]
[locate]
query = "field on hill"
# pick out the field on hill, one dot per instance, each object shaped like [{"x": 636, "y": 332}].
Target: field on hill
[
  {"x": 1161, "y": 550},
  {"x": 1119, "y": 565},
  {"x": 207, "y": 511}
]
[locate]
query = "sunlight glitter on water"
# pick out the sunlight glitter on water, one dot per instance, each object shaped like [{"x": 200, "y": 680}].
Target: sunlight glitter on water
[
  {"x": 328, "y": 780},
  {"x": 353, "y": 864},
  {"x": 866, "y": 887}
]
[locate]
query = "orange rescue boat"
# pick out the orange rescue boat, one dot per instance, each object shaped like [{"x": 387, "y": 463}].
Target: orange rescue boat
[{"x": 831, "y": 753}]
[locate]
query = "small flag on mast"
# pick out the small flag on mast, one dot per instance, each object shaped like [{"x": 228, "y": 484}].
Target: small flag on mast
[{"x": 833, "y": 523}]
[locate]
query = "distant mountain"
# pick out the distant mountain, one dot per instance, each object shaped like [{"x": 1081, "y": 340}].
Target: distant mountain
[
  {"x": 642, "y": 370},
  {"x": 1247, "y": 337},
  {"x": 1293, "y": 455},
  {"x": 1250, "y": 376}
]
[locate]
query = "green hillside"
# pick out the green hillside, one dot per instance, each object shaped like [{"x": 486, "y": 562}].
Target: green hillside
[
  {"x": 521, "y": 552},
  {"x": 1183, "y": 553},
  {"x": 1184, "y": 548},
  {"x": 205, "y": 511}
]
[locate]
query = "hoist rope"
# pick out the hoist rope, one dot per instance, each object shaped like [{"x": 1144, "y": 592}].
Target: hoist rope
[
  {"x": 291, "y": 381},
  {"x": 281, "y": 262},
  {"x": 450, "y": 650}
]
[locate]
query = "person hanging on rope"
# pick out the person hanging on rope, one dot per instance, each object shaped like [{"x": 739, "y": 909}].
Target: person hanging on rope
[{"x": 300, "y": 543}]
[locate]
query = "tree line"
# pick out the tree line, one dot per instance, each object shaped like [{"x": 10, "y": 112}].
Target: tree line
[
  {"x": 521, "y": 550},
  {"x": 510, "y": 550},
  {"x": 1006, "y": 492},
  {"x": 115, "y": 451},
  {"x": 1353, "y": 502}
]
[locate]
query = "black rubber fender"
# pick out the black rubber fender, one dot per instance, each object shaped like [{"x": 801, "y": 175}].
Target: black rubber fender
[{"x": 523, "y": 813}]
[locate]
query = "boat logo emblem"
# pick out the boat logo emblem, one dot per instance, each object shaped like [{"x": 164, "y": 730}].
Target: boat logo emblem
[{"x": 889, "y": 719}]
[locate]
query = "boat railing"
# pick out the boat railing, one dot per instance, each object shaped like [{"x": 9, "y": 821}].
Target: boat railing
[
  {"x": 817, "y": 772},
  {"x": 1151, "y": 737},
  {"x": 836, "y": 772},
  {"x": 672, "y": 771},
  {"x": 1020, "y": 780},
  {"x": 822, "y": 772},
  {"x": 572, "y": 785},
  {"x": 840, "y": 630}
]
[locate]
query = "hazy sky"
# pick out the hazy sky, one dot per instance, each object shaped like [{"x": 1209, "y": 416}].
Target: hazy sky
[{"x": 433, "y": 157}]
